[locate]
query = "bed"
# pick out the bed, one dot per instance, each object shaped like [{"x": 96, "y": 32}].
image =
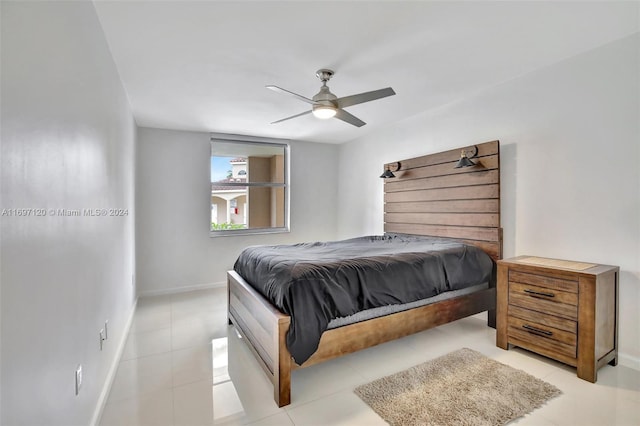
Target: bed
[{"x": 428, "y": 197}]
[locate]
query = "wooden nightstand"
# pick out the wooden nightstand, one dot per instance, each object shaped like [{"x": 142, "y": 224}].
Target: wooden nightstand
[{"x": 562, "y": 309}]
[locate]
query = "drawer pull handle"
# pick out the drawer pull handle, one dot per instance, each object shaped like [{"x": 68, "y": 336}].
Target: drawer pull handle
[
  {"x": 538, "y": 293},
  {"x": 537, "y": 330}
]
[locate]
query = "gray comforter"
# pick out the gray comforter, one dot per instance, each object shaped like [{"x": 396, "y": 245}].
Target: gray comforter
[{"x": 317, "y": 282}]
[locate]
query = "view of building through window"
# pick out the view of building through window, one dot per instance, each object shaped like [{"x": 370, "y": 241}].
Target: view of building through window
[
  {"x": 248, "y": 189},
  {"x": 229, "y": 202}
]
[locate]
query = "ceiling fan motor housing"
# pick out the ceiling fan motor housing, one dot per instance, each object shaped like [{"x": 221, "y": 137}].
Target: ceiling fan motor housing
[
  {"x": 324, "y": 106},
  {"x": 325, "y": 97}
]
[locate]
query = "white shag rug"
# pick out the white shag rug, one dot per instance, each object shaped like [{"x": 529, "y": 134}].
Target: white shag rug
[{"x": 460, "y": 388}]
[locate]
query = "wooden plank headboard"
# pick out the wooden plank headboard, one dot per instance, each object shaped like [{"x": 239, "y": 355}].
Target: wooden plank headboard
[{"x": 430, "y": 197}]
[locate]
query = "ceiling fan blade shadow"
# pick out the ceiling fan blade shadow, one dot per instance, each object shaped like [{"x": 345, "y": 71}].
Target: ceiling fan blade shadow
[
  {"x": 293, "y": 116},
  {"x": 364, "y": 97},
  {"x": 287, "y": 92},
  {"x": 349, "y": 118}
]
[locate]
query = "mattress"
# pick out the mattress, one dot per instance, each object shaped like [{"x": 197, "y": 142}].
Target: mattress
[{"x": 316, "y": 283}]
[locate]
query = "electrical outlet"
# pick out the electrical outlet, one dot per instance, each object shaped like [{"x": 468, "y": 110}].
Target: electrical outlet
[
  {"x": 106, "y": 330},
  {"x": 78, "y": 378},
  {"x": 102, "y": 338}
]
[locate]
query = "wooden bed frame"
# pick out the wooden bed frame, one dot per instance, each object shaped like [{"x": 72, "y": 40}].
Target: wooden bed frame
[{"x": 428, "y": 197}]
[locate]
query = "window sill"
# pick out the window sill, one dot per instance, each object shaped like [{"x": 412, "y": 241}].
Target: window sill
[{"x": 255, "y": 231}]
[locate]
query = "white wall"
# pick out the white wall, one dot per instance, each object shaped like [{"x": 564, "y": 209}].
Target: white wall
[
  {"x": 173, "y": 247},
  {"x": 67, "y": 143},
  {"x": 570, "y": 165}
]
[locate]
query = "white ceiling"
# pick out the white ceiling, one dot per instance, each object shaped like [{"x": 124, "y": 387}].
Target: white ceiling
[{"x": 203, "y": 65}]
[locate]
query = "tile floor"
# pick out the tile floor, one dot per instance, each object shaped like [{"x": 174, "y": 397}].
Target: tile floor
[{"x": 183, "y": 365}]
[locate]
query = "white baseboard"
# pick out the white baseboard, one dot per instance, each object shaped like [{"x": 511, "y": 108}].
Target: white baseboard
[
  {"x": 629, "y": 361},
  {"x": 182, "y": 289},
  {"x": 106, "y": 388}
]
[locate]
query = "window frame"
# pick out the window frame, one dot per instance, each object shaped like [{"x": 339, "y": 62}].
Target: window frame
[{"x": 252, "y": 140}]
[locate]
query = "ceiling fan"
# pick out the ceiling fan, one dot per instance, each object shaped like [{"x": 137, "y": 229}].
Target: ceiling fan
[{"x": 326, "y": 105}]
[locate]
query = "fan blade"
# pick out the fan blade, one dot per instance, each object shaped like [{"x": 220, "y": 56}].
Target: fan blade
[
  {"x": 349, "y": 118},
  {"x": 295, "y": 95},
  {"x": 293, "y": 116},
  {"x": 364, "y": 97}
]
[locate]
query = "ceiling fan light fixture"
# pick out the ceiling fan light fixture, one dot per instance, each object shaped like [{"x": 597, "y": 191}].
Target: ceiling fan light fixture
[{"x": 324, "y": 111}]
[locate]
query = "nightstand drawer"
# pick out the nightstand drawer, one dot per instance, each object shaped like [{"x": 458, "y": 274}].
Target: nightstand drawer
[
  {"x": 529, "y": 332},
  {"x": 541, "y": 299},
  {"x": 553, "y": 283},
  {"x": 544, "y": 319}
]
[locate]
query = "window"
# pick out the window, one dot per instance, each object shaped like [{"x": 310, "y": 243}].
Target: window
[{"x": 249, "y": 185}]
